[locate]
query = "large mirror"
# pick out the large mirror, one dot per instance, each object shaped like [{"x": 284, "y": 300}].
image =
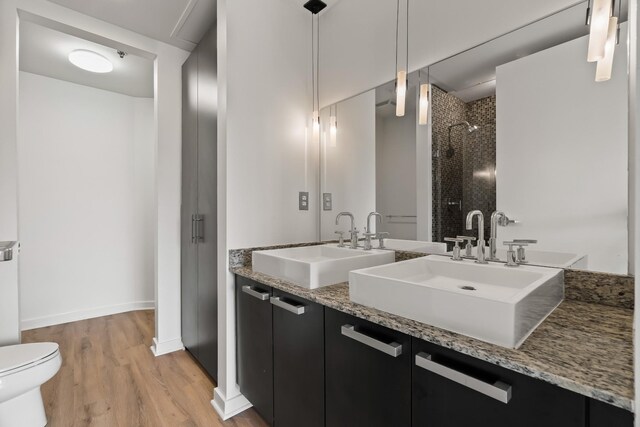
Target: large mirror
[{"x": 517, "y": 126}]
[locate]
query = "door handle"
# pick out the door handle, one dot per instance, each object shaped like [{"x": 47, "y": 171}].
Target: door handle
[
  {"x": 193, "y": 229},
  {"x": 394, "y": 349},
  {"x": 262, "y": 296},
  {"x": 497, "y": 390},
  {"x": 295, "y": 309},
  {"x": 199, "y": 221}
]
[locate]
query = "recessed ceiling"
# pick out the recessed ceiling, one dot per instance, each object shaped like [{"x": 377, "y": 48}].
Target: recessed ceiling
[
  {"x": 45, "y": 51},
  {"x": 181, "y": 23}
]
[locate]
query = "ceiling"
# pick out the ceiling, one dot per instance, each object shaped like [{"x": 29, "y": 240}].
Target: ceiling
[
  {"x": 45, "y": 51},
  {"x": 181, "y": 23}
]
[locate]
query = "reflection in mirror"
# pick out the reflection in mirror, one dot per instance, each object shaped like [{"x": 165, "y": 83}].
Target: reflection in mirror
[{"x": 516, "y": 126}]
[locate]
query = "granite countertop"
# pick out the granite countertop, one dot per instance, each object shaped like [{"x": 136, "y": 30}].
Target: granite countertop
[{"x": 583, "y": 347}]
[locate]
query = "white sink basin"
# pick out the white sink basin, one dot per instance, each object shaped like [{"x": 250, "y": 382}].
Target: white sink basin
[
  {"x": 316, "y": 266},
  {"x": 415, "y": 246},
  {"x": 494, "y": 303},
  {"x": 544, "y": 258}
]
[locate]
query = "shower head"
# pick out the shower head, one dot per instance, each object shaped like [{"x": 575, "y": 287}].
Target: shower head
[{"x": 470, "y": 128}]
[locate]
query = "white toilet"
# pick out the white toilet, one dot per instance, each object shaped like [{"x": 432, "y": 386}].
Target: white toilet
[{"x": 23, "y": 369}]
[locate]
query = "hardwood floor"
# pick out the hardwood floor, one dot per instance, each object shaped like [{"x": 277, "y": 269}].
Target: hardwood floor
[{"x": 109, "y": 377}]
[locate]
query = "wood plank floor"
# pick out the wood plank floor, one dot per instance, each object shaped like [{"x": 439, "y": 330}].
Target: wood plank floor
[{"x": 109, "y": 377}]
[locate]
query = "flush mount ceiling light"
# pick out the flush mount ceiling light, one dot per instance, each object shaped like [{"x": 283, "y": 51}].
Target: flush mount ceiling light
[
  {"x": 401, "y": 72},
  {"x": 90, "y": 61}
]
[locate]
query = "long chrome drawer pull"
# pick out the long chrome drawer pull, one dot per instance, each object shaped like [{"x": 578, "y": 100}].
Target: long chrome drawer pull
[
  {"x": 498, "y": 390},
  {"x": 262, "y": 296},
  {"x": 394, "y": 349},
  {"x": 295, "y": 309}
]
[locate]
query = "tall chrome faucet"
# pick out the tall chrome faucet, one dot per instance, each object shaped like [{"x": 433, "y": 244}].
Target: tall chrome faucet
[
  {"x": 367, "y": 232},
  {"x": 480, "y": 257},
  {"x": 493, "y": 239},
  {"x": 353, "y": 230}
]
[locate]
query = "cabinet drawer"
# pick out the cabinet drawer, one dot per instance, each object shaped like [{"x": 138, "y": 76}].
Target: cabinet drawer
[
  {"x": 604, "y": 415},
  {"x": 368, "y": 373},
  {"x": 298, "y": 361},
  {"x": 255, "y": 345},
  {"x": 453, "y": 390}
]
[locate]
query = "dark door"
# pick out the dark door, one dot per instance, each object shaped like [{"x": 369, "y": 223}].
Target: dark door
[
  {"x": 207, "y": 205},
  {"x": 298, "y": 361},
  {"x": 368, "y": 373},
  {"x": 189, "y": 205},
  {"x": 604, "y": 415},
  {"x": 440, "y": 400},
  {"x": 255, "y": 345}
]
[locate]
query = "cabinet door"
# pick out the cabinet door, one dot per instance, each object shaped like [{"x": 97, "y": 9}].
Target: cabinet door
[
  {"x": 189, "y": 267},
  {"x": 298, "y": 361},
  {"x": 454, "y": 390},
  {"x": 207, "y": 205},
  {"x": 255, "y": 345},
  {"x": 605, "y": 415},
  {"x": 368, "y": 373}
]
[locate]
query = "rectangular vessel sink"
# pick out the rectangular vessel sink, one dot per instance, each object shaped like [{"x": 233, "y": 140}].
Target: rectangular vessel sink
[
  {"x": 316, "y": 266},
  {"x": 491, "y": 302}
]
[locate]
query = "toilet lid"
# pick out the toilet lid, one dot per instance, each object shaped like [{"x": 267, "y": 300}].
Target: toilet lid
[{"x": 16, "y": 356}]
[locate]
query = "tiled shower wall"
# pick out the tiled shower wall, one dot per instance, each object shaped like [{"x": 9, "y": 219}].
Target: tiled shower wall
[{"x": 463, "y": 168}]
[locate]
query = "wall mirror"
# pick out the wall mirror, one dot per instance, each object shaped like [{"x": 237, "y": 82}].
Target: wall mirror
[{"x": 516, "y": 125}]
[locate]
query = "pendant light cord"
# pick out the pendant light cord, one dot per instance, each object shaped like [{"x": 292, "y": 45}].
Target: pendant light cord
[
  {"x": 407, "y": 34},
  {"x": 318, "y": 65},
  {"x": 398, "y": 36}
]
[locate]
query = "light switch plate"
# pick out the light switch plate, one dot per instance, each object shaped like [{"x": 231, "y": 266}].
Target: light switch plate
[
  {"x": 327, "y": 204},
  {"x": 303, "y": 201}
]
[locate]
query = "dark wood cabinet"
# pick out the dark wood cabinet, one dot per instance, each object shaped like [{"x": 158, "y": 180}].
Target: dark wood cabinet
[
  {"x": 454, "y": 390},
  {"x": 368, "y": 373},
  {"x": 604, "y": 415},
  {"x": 255, "y": 345},
  {"x": 298, "y": 361}
]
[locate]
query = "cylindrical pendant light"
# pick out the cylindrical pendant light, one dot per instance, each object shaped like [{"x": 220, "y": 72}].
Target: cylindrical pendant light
[
  {"x": 423, "y": 112},
  {"x": 401, "y": 72},
  {"x": 599, "y": 28},
  {"x": 605, "y": 65},
  {"x": 333, "y": 126},
  {"x": 315, "y": 6}
]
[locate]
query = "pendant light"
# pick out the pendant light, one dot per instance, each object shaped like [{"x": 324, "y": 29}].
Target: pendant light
[
  {"x": 598, "y": 28},
  {"x": 401, "y": 72},
  {"x": 333, "y": 125},
  {"x": 315, "y": 7},
  {"x": 605, "y": 65},
  {"x": 423, "y": 112}
]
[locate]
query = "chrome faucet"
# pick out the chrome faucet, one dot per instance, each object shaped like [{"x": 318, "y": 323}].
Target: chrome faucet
[
  {"x": 353, "y": 230},
  {"x": 367, "y": 231},
  {"x": 493, "y": 240},
  {"x": 480, "y": 257}
]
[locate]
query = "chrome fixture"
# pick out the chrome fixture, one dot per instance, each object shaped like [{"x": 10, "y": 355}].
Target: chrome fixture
[
  {"x": 367, "y": 231},
  {"x": 340, "y": 238},
  {"x": 353, "y": 231},
  {"x": 470, "y": 129},
  {"x": 498, "y": 218},
  {"x": 520, "y": 253},
  {"x": 512, "y": 260},
  {"x": 6, "y": 250},
  {"x": 121, "y": 53},
  {"x": 468, "y": 248},
  {"x": 381, "y": 236},
  {"x": 456, "y": 248},
  {"x": 480, "y": 258}
]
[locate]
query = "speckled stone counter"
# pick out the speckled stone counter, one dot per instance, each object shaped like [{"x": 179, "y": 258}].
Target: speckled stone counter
[{"x": 583, "y": 347}]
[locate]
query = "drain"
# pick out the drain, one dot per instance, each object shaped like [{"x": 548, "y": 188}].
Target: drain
[{"x": 467, "y": 288}]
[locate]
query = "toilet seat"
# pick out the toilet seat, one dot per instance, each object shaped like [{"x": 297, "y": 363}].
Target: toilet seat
[{"x": 16, "y": 358}]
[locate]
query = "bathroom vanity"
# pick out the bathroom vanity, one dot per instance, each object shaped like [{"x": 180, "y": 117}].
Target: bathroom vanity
[{"x": 314, "y": 355}]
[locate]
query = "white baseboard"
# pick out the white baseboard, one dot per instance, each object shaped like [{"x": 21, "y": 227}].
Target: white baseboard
[
  {"x": 74, "y": 316},
  {"x": 228, "y": 408},
  {"x": 165, "y": 347}
]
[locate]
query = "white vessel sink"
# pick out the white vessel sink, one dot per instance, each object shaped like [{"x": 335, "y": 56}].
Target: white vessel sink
[
  {"x": 317, "y": 266},
  {"x": 415, "y": 246},
  {"x": 544, "y": 258},
  {"x": 491, "y": 302}
]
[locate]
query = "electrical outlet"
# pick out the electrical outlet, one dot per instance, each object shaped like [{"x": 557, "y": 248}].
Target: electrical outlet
[
  {"x": 327, "y": 204},
  {"x": 303, "y": 201}
]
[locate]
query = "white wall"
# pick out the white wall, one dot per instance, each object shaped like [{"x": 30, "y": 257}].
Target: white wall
[
  {"x": 562, "y": 154},
  {"x": 396, "y": 172},
  {"x": 167, "y": 123},
  {"x": 85, "y": 173},
  {"x": 349, "y": 169},
  {"x": 264, "y": 107}
]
